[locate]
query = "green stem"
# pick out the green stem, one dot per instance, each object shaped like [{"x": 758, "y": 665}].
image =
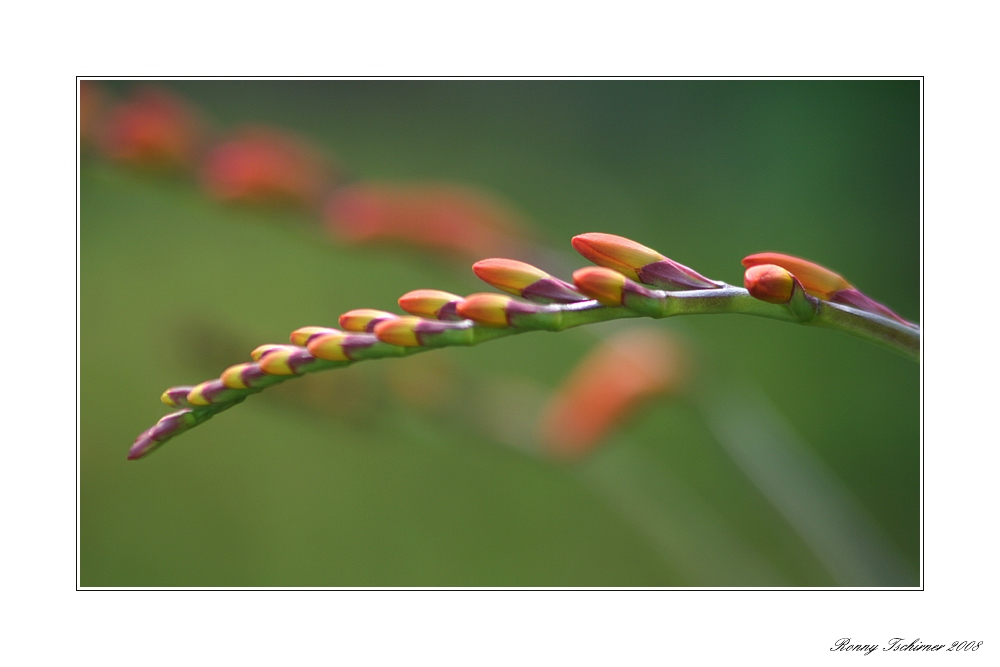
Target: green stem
[{"x": 727, "y": 300}]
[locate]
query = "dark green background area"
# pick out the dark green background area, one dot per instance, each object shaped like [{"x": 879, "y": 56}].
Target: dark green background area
[{"x": 273, "y": 494}]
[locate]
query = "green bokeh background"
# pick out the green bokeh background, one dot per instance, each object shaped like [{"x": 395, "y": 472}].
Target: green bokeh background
[{"x": 273, "y": 493}]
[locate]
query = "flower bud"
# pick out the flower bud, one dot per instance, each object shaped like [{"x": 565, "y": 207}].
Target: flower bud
[
  {"x": 305, "y": 334},
  {"x": 242, "y": 376},
  {"x": 176, "y": 397},
  {"x": 414, "y": 331},
  {"x": 487, "y": 309},
  {"x": 431, "y": 303},
  {"x": 769, "y": 283},
  {"x": 638, "y": 262},
  {"x": 816, "y": 280},
  {"x": 285, "y": 360},
  {"x": 329, "y": 346},
  {"x": 261, "y": 350},
  {"x": 206, "y": 393},
  {"x": 363, "y": 320},
  {"x": 400, "y": 331},
  {"x": 168, "y": 426},
  {"x": 604, "y": 285},
  {"x": 525, "y": 280}
]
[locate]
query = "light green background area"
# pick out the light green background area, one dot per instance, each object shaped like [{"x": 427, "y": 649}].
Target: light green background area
[{"x": 364, "y": 490}]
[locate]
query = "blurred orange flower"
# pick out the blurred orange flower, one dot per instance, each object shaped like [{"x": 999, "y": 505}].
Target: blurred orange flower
[
  {"x": 263, "y": 165},
  {"x": 154, "y": 129},
  {"x": 446, "y": 217},
  {"x": 607, "y": 386}
]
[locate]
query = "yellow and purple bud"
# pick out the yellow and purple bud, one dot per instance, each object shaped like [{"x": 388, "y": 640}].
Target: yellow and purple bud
[
  {"x": 210, "y": 392},
  {"x": 770, "y": 283},
  {"x": 639, "y": 263},
  {"x": 305, "y": 334},
  {"x": 499, "y": 311},
  {"x": 168, "y": 426},
  {"x": 285, "y": 360},
  {"x": 816, "y": 280},
  {"x": 418, "y": 332},
  {"x": 431, "y": 303},
  {"x": 261, "y": 350},
  {"x": 340, "y": 346},
  {"x": 525, "y": 280},
  {"x": 243, "y": 376},
  {"x": 363, "y": 320},
  {"x": 328, "y": 346},
  {"x": 176, "y": 397}
]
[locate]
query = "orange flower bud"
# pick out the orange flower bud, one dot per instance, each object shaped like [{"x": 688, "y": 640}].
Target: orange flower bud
[
  {"x": 604, "y": 285},
  {"x": 430, "y": 303},
  {"x": 616, "y": 252},
  {"x": 817, "y": 281},
  {"x": 328, "y": 346},
  {"x": 769, "y": 282},
  {"x": 486, "y": 309},
  {"x": 401, "y": 331}
]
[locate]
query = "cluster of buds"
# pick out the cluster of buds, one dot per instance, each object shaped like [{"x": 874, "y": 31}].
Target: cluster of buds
[{"x": 631, "y": 280}]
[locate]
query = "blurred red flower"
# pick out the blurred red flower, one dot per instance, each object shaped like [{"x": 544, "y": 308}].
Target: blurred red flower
[
  {"x": 446, "y": 217},
  {"x": 263, "y": 165},
  {"x": 154, "y": 129}
]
